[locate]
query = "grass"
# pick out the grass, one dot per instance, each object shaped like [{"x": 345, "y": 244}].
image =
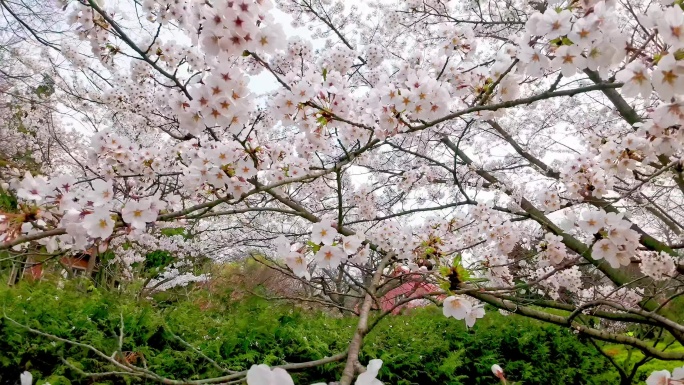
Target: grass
[{"x": 627, "y": 356}]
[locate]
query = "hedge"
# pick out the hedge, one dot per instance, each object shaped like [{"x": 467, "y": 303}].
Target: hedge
[{"x": 422, "y": 347}]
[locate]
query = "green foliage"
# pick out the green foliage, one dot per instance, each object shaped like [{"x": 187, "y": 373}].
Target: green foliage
[
  {"x": 46, "y": 88},
  {"x": 427, "y": 348},
  {"x": 456, "y": 274},
  {"x": 627, "y": 356},
  {"x": 158, "y": 259},
  {"x": 171, "y": 231},
  {"x": 314, "y": 247},
  {"x": 421, "y": 347},
  {"x": 8, "y": 202}
]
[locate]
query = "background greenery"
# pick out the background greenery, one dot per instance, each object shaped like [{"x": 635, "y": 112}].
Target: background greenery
[{"x": 422, "y": 347}]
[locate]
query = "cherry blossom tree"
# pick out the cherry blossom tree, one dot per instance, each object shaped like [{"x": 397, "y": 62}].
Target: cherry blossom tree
[{"x": 527, "y": 155}]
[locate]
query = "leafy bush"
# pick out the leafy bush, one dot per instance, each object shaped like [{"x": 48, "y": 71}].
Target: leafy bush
[
  {"x": 426, "y": 348},
  {"x": 627, "y": 356},
  {"x": 421, "y": 347}
]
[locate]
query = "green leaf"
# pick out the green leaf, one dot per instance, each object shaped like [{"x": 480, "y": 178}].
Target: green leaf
[{"x": 314, "y": 247}]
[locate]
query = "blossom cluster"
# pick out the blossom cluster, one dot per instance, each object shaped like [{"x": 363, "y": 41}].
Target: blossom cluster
[
  {"x": 659, "y": 266},
  {"x": 463, "y": 308},
  {"x": 569, "y": 279},
  {"x": 553, "y": 248},
  {"x": 330, "y": 249},
  {"x": 264, "y": 375},
  {"x": 185, "y": 133}
]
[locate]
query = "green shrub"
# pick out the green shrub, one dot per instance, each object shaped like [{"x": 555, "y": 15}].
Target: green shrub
[
  {"x": 427, "y": 348},
  {"x": 422, "y": 347}
]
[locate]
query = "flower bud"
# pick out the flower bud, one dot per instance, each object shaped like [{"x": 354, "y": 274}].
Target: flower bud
[
  {"x": 498, "y": 372},
  {"x": 26, "y": 378}
]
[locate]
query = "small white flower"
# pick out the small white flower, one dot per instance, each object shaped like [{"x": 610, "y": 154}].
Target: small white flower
[
  {"x": 592, "y": 221},
  {"x": 569, "y": 59},
  {"x": 329, "y": 256},
  {"x": 472, "y": 316},
  {"x": 606, "y": 249},
  {"x": 498, "y": 371},
  {"x": 26, "y": 378},
  {"x": 361, "y": 256},
  {"x": 668, "y": 77},
  {"x": 137, "y": 214},
  {"x": 535, "y": 62},
  {"x": 102, "y": 193},
  {"x": 99, "y": 224},
  {"x": 282, "y": 246},
  {"x": 322, "y": 232},
  {"x": 369, "y": 376},
  {"x": 555, "y": 24},
  {"x": 637, "y": 80},
  {"x": 351, "y": 244},
  {"x": 263, "y": 375},
  {"x": 660, "y": 377},
  {"x": 297, "y": 263},
  {"x": 32, "y": 188},
  {"x": 457, "y": 307},
  {"x": 671, "y": 27}
]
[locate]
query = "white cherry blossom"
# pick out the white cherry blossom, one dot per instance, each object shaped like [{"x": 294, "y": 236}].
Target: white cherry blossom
[
  {"x": 323, "y": 233},
  {"x": 329, "y": 257},
  {"x": 457, "y": 307},
  {"x": 263, "y": 375},
  {"x": 99, "y": 224},
  {"x": 369, "y": 377},
  {"x": 637, "y": 80}
]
